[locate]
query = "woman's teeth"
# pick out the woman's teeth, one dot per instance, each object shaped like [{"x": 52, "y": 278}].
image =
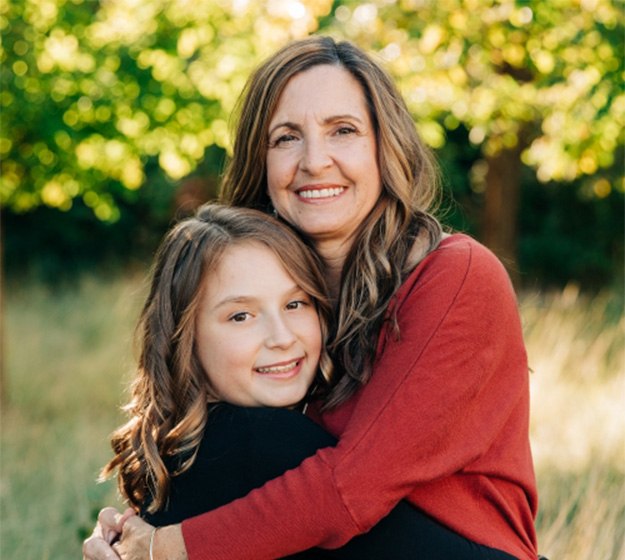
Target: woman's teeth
[{"x": 322, "y": 193}]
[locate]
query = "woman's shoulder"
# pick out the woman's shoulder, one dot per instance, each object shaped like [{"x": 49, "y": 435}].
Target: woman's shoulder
[
  {"x": 460, "y": 264},
  {"x": 459, "y": 253}
]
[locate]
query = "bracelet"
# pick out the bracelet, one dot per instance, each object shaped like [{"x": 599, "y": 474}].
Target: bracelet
[{"x": 152, "y": 535}]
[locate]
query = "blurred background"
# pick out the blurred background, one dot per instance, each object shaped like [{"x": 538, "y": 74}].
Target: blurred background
[{"x": 116, "y": 120}]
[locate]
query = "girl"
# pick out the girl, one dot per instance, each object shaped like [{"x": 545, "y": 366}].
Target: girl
[{"x": 232, "y": 349}]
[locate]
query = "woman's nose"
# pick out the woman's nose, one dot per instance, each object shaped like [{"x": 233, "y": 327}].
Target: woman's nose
[{"x": 316, "y": 156}]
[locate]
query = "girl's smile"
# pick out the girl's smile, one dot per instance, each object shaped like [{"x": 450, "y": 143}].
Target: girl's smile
[{"x": 258, "y": 335}]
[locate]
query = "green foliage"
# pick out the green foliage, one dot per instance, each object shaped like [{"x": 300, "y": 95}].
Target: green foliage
[
  {"x": 545, "y": 75},
  {"x": 92, "y": 91},
  {"x": 585, "y": 242},
  {"x": 108, "y": 107}
]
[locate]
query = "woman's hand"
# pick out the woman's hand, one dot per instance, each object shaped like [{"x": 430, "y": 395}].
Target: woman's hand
[
  {"x": 109, "y": 526},
  {"x": 134, "y": 539},
  {"x": 134, "y": 544}
]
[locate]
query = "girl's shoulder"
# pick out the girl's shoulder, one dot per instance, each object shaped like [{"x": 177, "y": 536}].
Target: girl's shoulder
[{"x": 275, "y": 427}]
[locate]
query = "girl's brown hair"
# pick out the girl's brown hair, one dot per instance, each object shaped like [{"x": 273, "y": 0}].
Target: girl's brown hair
[
  {"x": 171, "y": 391},
  {"x": 379, "y": 258}
]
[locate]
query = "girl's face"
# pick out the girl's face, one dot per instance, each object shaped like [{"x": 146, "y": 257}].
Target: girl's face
[
  {"x": 322, "y": 168},
  {"x": 257, "y": 333}
]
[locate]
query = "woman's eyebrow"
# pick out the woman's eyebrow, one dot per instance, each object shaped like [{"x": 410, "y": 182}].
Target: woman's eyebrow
[
  {"x": 348, "y": 116},
  {"x": 327, "y": 120},
  {"x": 285, "y": 124}
]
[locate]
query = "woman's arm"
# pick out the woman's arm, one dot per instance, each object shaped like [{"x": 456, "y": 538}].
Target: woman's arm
[{"x": 437, "y": 400}]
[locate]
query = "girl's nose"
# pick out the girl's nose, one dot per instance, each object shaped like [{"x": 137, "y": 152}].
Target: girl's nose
[{"x": 280, "y": 334}]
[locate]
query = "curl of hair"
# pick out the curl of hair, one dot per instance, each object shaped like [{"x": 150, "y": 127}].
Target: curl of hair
[
  {"x": 171, "y": 392},
  {"x": 382, "y": 252}
]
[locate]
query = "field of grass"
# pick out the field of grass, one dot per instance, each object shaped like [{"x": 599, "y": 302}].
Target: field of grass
[{"x": 67, "y": 358}]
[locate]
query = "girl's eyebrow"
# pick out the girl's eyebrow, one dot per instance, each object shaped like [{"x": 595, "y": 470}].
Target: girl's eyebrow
[
  {"x": 250, "y": 299},
  {"x": 327, "y": 120},
  {"x": 233, "y": 299}
]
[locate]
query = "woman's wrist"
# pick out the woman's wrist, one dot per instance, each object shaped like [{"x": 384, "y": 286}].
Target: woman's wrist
[{"x": 168, "y": 544}]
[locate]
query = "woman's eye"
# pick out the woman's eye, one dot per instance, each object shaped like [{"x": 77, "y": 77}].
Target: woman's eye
[
  {"x": 284, "y": 139},
  {"x": 239, "y": 317},
  {"x": 343, "y": 130}
]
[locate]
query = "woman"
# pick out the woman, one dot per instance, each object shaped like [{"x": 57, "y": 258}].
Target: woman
[{"x": 431, "y": 404}]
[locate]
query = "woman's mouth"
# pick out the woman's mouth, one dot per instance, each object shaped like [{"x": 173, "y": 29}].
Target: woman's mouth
[{"x": 324, "y": 192}]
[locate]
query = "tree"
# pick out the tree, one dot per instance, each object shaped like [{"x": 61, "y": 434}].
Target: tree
[
  {"x": 92, "y": 91},
  {"x": 535, "y": 84}
]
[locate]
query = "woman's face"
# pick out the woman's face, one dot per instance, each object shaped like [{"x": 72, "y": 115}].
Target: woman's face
[
  {"x": 257, "y": 332},
  {"x": 322, "y": 166}
]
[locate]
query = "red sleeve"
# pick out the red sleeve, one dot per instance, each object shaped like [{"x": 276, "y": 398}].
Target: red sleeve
[{"x": 438, "y": 397}]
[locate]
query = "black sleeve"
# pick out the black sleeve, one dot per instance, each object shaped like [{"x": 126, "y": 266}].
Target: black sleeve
[{"x": 242, "y": 448}]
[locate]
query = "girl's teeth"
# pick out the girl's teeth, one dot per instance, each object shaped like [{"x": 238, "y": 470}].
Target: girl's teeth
[
  {"x": 322, "y": 193},
  {"x": 278, "y": 369}
]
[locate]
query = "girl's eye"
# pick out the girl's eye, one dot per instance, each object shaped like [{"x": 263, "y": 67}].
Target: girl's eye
[
  {"x": 297, "y": 304},
  {"x": 239, "y": 317}
]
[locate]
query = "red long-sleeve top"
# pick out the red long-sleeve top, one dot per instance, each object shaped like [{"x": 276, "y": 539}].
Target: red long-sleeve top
[{"x": 443, "y": 423}]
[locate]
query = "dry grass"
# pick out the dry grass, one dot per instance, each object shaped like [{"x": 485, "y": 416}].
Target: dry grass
[
  {"x": 576, "y": 347},
  {"x": 67, "y": 354}
]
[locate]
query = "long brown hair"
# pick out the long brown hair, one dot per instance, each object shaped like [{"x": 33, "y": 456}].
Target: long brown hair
[
  {"x": 171, "y": 391},
  {"x": 378, "y": 260}
]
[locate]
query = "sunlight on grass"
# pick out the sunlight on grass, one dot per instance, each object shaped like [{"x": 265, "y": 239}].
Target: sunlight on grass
[
  {"x": 68, "y": 354},
  {"x": 576, "y": 349}
]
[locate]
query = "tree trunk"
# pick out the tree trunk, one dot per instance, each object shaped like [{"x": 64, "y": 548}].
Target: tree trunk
[{"x": 501, "y": 204}]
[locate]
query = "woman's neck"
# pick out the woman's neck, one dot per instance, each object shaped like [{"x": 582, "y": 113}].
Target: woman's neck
[{"x": 333, "y": 256}]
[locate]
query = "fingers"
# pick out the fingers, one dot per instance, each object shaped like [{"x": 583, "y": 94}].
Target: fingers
[
  {"x": 135, "y": 539},
  {"x": 134, "y": 523},
  {"x": 96, "y": 548},
  {"x": 107, "y": 530},
  {"x": 111, "y": 522},
  {"x": 108, "y": 521},
  {"x": 125, "y": 516}
]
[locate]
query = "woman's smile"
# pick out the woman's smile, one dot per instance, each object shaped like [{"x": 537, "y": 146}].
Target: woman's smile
[
  {"x": 322, "y": 168},
  {"x": 317, "y": 192}
]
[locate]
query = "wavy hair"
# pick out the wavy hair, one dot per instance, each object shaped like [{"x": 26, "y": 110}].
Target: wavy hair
[
  {"x": 171, "y": 391},
  {"x": 383, "y": 249}
]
